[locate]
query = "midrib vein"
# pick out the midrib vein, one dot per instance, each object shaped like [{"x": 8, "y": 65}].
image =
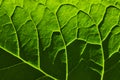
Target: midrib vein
[{"x": 37, "y": 68}]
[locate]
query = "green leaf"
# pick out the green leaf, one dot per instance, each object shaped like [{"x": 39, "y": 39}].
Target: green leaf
[{"x": 59, "y": 39}]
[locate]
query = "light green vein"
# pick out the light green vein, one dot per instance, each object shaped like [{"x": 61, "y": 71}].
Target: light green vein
[
  {"x": 37, "y": 42},
  {"x": 16, "y": 37},
  {"x": 64, "y": 44},
  {"x": 11, "y": 66},
  {"x": 102, "y": 75}
]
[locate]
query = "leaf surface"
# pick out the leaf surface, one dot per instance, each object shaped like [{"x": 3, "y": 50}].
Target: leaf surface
[{"x": 59, "y": 39}]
